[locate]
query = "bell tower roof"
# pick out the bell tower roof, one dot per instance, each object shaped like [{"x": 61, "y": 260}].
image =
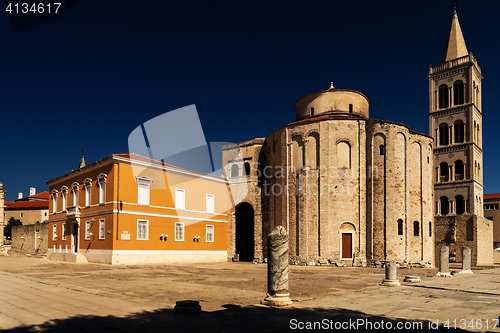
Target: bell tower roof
[
  {"x": 455, "y": 45},
  {"x": 82, "y": 162}
]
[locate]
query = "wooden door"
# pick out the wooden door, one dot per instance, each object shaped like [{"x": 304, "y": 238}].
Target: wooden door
[{"x": 347, "y": 246}]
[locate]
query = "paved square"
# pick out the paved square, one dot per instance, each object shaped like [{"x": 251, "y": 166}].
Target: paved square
[{"x": 37, "y": 294}]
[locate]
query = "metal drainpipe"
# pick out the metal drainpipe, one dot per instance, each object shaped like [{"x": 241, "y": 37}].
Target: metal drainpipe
[{"x": 118, "y": 201}]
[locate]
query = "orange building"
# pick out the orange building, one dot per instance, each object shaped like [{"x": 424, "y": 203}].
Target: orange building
[{"x": 128, "y": 209}]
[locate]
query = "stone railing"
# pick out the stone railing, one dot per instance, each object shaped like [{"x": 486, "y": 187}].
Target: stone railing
[{"x": 453, "y": 63}]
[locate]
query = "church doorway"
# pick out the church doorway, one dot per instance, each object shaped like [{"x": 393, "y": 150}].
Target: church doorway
[
  {"x": 347, "y": 231},
  {"x": 346, "y": 246},
  {"x": 245, "y": 231}
]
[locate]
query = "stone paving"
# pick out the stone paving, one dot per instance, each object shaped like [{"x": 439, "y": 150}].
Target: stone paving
[{"x": 39, "y": 295}]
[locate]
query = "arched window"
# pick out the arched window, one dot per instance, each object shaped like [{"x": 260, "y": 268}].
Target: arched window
[
  {"x": 460, "y": 204},
  {"x": 312, "y": 112},
  {"x": 459, "y": 170},
  {"x": 246, "y": 166},
  {"x": 444, "y": 206},
  {"x": 458, "y": 92},
  {"x": 459, "y": 131},
  {"x": 297, "y": 153},
  {"x": 313, "y": 150},
  {"x": 444, "y": 172},
  {"x": 382, "y": 149},
  {"x": 430, "y": 229},
  {"x": 350, "y": 108},
  {"x": 343, "y": 155},
  {"x": 443, "y": 96},
  {"x": 443, "y": 135},
  {"x": 416, "y": 229},
  {"x": 235, "y": 170},
  {"x": 400, "y": 227}
]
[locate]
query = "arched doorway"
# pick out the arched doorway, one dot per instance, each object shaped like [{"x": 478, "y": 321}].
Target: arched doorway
[
  {"x": 245, "y": 231},
  {"x": 347, "y": 231}
]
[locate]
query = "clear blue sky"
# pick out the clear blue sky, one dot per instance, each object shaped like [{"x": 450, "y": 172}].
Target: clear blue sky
[{"x": 88, "y": 78}]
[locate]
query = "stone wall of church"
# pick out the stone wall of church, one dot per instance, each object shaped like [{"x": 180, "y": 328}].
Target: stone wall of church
[
  {"x": 322, "y": 166},
  {"x": 399, "y": 194},
  {"x": 349, "y": 191}
]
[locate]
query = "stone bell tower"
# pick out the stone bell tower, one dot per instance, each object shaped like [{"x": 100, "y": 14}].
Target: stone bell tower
[{"x": 455, "y": 123}]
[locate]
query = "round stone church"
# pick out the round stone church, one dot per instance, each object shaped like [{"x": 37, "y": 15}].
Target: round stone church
[{"x": 348, "y": 189}]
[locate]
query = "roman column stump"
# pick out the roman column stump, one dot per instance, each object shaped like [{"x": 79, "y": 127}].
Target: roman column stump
[
  {"x": 277, "y": 269},
  {"x": 466, "y": 261},
  {"x": 391, "y": 277},
  {"x": 444, "y": 262}
]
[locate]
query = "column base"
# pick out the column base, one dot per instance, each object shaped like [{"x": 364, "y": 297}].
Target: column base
[
  {"x": 277, "y": 300},
  {"x": 466, "y": 272},
  {"x": 390, "y": 283}
]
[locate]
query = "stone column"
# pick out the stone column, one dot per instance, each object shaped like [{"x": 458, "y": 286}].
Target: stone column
[
  {"x": 391, "y": 277},
  {"x": 2, "y": 219},
  {"x": 277, "y": 268},
  {"x": 466, "y": 261},
  {"x": 444, "y": 262}
]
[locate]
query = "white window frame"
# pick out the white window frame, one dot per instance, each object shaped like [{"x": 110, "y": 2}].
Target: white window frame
[
  {"x": 63, "y": 236},
  {"x": 146, "y": 223},
  {"x": 210, "y": 206},
  {"x": 87, "y": 230},
  {"x": 102, "y": 193},
  {"x": 102, "y": 188},
  {"x": 74, "y": 188},
  {"x": 181, "y": 226},
  {"x": 64, "y": 196},
  {"x": 207, "y": 233},
  {"x": 180, "y": 199},
  {"x": 54, "y": 201},
  {"x": 102, "y": 228},
  {"x": 75, "y": 197},
  {"x": 144, "y": 190},
  {"x": 54, "y": 232}
]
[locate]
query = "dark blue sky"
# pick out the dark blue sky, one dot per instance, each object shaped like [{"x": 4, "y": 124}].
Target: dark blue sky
[{"x": 88, "y": 78}]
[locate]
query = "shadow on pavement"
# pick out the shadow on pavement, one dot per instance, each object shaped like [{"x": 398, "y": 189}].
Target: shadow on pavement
[{"x": 232, "y": 319}]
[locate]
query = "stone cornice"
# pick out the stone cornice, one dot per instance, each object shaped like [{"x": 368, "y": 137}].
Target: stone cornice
[
  {"x": 451, "y": 110},
  {"x": 456, "y": 148}
]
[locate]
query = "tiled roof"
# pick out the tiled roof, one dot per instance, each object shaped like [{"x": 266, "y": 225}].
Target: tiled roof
[
  {"x": 137, "y": 157},
  {"x": 42, "y": 195},
  {"x": 28, "y": 205},
  {"x": 7, "y": 203},
  {"x": 491, "y": 196}
]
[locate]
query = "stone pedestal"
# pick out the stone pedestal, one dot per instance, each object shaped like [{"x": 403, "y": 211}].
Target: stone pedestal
[
  {"x": 187, "y": 306},
  {"x": 391, "y": 277},
  {"x": 444, "y": 262},
  {"x": 277, "y": 269},
  {"x": 412, "y": 279},
  {"x": 466, "y": 261}
]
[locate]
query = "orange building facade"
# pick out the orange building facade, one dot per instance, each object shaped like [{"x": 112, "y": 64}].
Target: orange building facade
[{"x": 129, "y": 209}]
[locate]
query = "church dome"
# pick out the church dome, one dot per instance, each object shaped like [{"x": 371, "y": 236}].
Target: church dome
[{"x": 332, "y": 101}]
